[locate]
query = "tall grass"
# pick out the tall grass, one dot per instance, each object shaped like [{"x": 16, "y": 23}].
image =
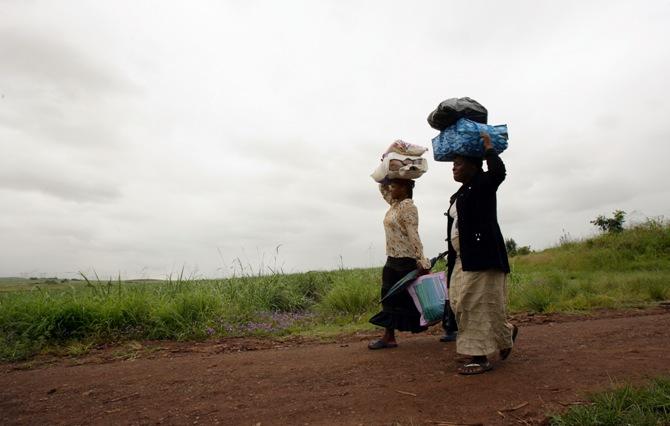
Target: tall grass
[
  {"x": 609, "y": 271},
  {"x": 624, "y": 269},
  {"x": 353, "y": 294},
  {"x": 627, "y": 405},
  {"x": 180, "y": 309}
]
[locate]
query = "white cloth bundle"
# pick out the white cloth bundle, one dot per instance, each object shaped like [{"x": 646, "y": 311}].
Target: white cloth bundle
[
  {"x": 405, "y": 148},
  {"x": 400, "y": 161}
]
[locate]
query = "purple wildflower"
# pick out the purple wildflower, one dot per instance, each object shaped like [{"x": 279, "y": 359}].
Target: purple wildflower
[{"x": 266, "y": 322}]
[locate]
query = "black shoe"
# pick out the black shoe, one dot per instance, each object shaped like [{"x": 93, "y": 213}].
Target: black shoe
[
  {"x": 380, "y": 344},
  {"x": 449, "y": 337}
]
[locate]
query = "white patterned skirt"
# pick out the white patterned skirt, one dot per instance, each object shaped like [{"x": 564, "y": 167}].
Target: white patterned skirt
[{"x": 479, "y": 302}]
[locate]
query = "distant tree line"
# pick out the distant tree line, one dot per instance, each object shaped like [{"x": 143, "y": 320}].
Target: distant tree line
[
  {"x": 513, "y": 249},
  {"x": 610, "y": 225}
]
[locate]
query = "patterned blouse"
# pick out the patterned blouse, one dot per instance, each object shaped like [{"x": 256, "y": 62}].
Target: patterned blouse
[{"x": 401, "y": 225}]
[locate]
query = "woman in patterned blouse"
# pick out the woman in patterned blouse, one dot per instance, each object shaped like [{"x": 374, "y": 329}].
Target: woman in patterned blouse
[{"x": 405, "y": 254}]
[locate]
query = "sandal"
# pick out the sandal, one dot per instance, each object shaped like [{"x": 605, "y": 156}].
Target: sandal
[
  {"x": 449, "y": 337},
  {"x": 504, "y": 353},
  {"x": 380, "y": 344},
  {"x": 473, "y": 368}
]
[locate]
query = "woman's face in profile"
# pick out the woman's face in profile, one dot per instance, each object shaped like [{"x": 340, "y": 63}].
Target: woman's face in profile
[
  {"x": 463, "y": 170},
  {"x": 398, "y": 190}
]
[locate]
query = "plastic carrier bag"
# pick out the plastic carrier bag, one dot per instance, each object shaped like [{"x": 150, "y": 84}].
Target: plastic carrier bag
[
  {"x": 397, "y": 166},
  {"x": 450, "y": 111},
  {"x": 464, "y": 138},
  {"x": 429, "y": 293}
]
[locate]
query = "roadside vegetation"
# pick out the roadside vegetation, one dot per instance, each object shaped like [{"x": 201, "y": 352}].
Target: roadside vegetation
[
  {"x": 614, "y": 270},
  {"x": 619, "y": 269},
  {"x": 629, "y": 405}
]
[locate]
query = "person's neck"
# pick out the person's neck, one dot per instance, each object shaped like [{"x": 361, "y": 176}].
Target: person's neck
[{"x": 472, "y": 176}]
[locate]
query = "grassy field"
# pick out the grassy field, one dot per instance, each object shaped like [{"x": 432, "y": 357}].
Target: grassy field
[{"x": 611, "y": 271}]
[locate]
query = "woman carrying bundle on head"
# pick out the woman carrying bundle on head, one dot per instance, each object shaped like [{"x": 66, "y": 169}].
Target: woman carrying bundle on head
[
  {"x": 405, "y": 254},
  {"x": 477, "y": 262}
]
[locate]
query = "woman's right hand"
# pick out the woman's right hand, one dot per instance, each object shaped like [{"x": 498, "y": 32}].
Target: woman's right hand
[{"x": 486, "y": 138}]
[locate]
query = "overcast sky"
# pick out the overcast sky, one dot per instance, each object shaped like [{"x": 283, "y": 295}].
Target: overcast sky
[{"x": 140, "y": 137}]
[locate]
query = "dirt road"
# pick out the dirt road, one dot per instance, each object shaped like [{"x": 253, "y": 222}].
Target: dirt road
[{"x": 553, "y": 365}]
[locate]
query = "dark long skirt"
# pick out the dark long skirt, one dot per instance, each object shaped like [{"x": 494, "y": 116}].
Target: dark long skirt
[{"x": 398, "y": 311}]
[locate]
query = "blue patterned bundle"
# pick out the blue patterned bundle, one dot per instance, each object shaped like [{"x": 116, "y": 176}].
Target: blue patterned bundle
[{"x": 463, "y": 138}]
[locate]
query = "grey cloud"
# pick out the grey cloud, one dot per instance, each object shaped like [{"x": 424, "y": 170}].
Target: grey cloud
[
  {"x": 523, "y": 206},
  {"x": 246, "y": 131},
  {"x": 50, "y": 64},
  {"x": 54, "y": 92},
  {"x": 277, "y": 154},
  {"x": 58, "y": 125},
  {"x": 85, "y": 187}
]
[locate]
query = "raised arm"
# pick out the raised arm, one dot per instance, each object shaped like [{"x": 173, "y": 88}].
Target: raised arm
[{"x": 496, "y": 172}]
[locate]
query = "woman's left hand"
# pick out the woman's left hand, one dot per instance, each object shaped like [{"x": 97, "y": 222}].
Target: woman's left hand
[{"x": 421, "y": 267}]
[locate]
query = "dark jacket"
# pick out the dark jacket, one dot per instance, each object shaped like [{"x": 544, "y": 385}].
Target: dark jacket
[{"x": 481, "y": 242}]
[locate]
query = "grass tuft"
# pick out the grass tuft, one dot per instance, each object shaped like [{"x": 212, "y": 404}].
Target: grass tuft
[
  {"x": 353, "y": 295},
  {"x": 628, "y": 405}
]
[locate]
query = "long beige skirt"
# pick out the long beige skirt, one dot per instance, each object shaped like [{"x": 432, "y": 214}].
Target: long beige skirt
[{"x": 479, "y": 302}]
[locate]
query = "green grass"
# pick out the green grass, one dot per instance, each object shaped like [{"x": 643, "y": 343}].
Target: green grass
[
  {"x": 611, "y": 271},
  {"x": 353, "y": 294},
  {"x": 11, "y": 284},
  {"x": 179, "y": 309},
  {"x": 631, "y": 268},
  {"x": 628, "y": 405}
]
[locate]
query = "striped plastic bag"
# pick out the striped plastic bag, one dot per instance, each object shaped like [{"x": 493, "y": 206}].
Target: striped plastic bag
[{"x": 429, "y": 293}]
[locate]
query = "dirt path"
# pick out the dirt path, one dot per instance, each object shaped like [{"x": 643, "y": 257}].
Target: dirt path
[{"x": 553, "y": 365}]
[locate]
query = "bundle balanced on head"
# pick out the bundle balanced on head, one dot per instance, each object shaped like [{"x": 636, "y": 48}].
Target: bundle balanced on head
[{"x": 477, "y": 259}]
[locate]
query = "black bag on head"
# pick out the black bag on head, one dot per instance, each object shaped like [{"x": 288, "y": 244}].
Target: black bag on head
[{"x": 450, "y": 111}]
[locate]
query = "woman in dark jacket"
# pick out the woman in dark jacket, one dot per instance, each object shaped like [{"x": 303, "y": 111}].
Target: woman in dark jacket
[{"x": 477, "y": 262}]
